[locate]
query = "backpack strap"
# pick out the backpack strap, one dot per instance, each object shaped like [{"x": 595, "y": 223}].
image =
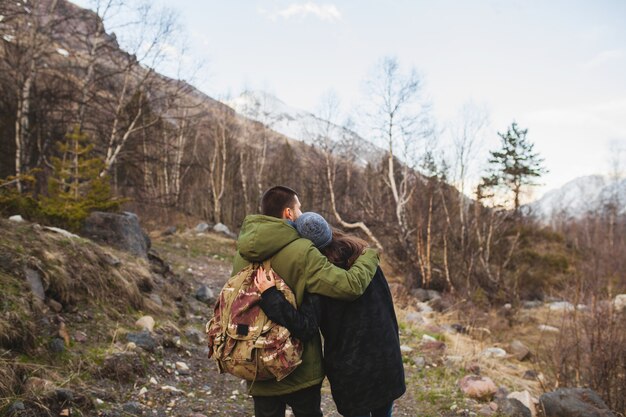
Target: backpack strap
[{"x": 266, "y": 266}]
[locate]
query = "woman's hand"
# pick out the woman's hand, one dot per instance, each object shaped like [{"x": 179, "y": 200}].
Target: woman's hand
[{"x": 264, "y": 281}]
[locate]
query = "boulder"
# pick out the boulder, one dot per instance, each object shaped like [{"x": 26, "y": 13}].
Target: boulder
[
  {"x": 573, "y": 402},
  {"x": 494, "y": 352},
  {"x": 222, "y": 228},
  {"x": 478, "y": 387},
  {"x": 511, "y": 407},
  {"x": 202, "y": 227},
  {"x": 145, "y": 323},
  {"x": 205, "y": 295},
  {"x": 169, "y": 231},
  {"x": 519, "y": 350},
  {"x": 562, "y": 306},
  {"x": 120, "y": 230},
  {"x": 414, "y": 317},
  {"x": 17, "y": 219},
  {"x": 532, "y": 304},
  {"x": 143, "y": 339},
  {"x": 34, "y": 281},
  {"x": 525, "y": 398},
  {"x": 548, "y": 329},
  {"x": 619, "y": 303}
]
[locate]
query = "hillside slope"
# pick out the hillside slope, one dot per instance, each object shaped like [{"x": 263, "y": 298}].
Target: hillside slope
[{"x": 71, "y": 350}]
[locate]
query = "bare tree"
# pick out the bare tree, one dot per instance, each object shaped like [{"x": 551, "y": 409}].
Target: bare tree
[
  {"x": 26, "y": 37},
  {"x": 328, "y": 137},
  {"x": 401, "y": 120}
]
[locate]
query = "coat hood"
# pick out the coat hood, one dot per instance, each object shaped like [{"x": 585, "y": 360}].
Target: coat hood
[{"x": 263, "y": 236}]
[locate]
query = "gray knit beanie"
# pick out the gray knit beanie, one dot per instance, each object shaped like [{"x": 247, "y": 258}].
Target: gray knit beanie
[{"x": 314, "y": 227}]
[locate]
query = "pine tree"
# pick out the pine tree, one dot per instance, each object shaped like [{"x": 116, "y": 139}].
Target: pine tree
[
  {"x": 75, "y": 187},
  {"x": 513, "y": 166}
]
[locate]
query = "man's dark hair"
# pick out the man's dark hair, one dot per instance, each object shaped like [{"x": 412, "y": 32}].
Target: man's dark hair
[{"x": 277, "y": 199}]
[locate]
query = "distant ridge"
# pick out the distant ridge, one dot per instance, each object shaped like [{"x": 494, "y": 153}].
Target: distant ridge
[
  {"x": 304, "y": 126},
  {"x": 580, "y": 196}
]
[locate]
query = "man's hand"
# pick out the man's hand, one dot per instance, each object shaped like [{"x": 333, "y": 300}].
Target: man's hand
[{"x": 264, "y": 281}]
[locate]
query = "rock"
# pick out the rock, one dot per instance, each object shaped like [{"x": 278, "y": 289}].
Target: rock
[
  {"x": 421, "y": 294},
  {"x": 526, "y": 399},
  {"x": 54, "y": 305},
  {"x": 111, "y": 260},
  {"x": 169, "y": 231},
  {"x": 548, "y": 329},
  {"x": 122, "y": 231},
  {"x": 532, "y": 304},
  {"x": 574, "y": 402},
  {"x": 511, "y": 407},
  {"x": 619, "y": 303},
  {"x": 133, "y": 408},
  {"x": 486, "y": 410},
  {"x": 169, "y": 388},
  {"x": 145, "y": 323},
  {"x": 64, "y": 395},
  {"x": 423, "y": 307},
  {"x": 222, "y": 228},
  {"x": 494, "y": 352},
  {"x": 157, "y": 299},
  {"x": 431, "y": 347},
  {"x": 530, "y": 374},
  {"x": 406, "y": 349},
  {"x": 153, "y": 381},
  {"x": 17, "y": 219},
  {"x": 143, "y": 391},
  {"x": 454, "y": 361},
  {"x": 15, "y": 408},
  {"x": 123, "y": 367},
  {"x": 428, "y": 338},
  {"x": 80, "y": 337},
  {"x": 143, "y": 339},
  {"x": 34, "y": 280},
  {"x": 414, "y": 317},
  {"x": 194, "y": 336},
  {"x": 205, "y": 295},
  {"x": 433, "y": 295},
  {"x": 62, "y": 232},
  {"x": 57, "y": 345},
  {"x": 202, "y": 227},
  {"x": 519, "y": 350},
  {"x": 439, "y": 304},
  {"x": 478, "y": 387},
  {"x": 507, "y": 306},
  {"x": 419, "y": 361},
  {"x": 562, "y": 306},
  {"x": 182, "y": 368}
]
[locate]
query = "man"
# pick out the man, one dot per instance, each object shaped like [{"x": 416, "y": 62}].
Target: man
[{"x": 296, "y": 260}]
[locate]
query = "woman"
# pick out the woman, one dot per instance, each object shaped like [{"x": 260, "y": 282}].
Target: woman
[{"x": 362, "y": 357}]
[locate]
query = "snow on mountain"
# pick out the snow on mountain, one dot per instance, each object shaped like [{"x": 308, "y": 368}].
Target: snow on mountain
[
  {"x": 580, "y": 196},
  {"x": 304, "y": 126}
]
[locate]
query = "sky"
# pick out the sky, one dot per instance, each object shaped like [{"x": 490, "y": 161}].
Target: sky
[{"x": 557, "y": 68}]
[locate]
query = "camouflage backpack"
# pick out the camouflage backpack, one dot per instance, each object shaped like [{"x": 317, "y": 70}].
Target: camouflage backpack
[{"x": 243, "y": 340}]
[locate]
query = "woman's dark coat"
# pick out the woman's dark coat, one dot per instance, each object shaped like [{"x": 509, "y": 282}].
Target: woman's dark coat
[{"x": 362, "y": 357}]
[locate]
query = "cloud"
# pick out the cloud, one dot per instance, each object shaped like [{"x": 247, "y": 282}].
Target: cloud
[
  {"x": 325, "y": 12},
  {"x": 603, "y": 58}
]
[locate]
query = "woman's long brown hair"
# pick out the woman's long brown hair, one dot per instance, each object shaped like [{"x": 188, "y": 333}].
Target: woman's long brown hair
[{"x": 344, "y": 249}]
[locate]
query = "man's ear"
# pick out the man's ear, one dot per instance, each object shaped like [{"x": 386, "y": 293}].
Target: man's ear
[{"x": 286, "y": 212}]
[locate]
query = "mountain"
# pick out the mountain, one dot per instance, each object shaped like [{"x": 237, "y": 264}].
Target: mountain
[
  {"x": 579, "y": 197},
  {"x": 306, "y": 127}
]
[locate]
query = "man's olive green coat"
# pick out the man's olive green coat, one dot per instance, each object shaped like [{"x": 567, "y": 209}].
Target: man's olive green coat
[{"x": 303, "y": 268}]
